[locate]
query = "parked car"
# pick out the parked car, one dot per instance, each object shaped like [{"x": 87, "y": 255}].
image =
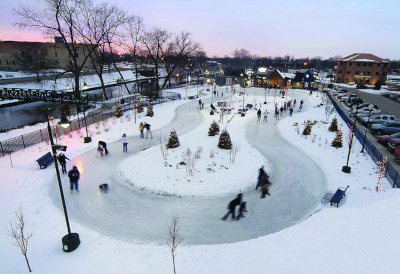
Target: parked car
[
  {"x": 354, "y": 101},
  {"x": 393, "y": 144},
  {"x": 361, "y": 86},
  {"x": 365, "y": 113},
  {"x": 384, "y": 139},
  {"x": 377, "y": 119},
  {"x": 397, "y": 154},
  {"x": 386, "y": 128}
]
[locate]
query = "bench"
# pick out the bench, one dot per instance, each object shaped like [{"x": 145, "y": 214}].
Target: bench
[
  {"x": 45, "y": 160},
  {"x": 222, "y": 104},
  {"x": 240, "y": 110},
  {"x": 338, "y": 196},
  {"x": 192, "y": 97},
  {"x": 249, "y": 106}
]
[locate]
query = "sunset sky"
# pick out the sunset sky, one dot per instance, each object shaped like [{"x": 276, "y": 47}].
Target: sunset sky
[{"x": 305, "y": 28}]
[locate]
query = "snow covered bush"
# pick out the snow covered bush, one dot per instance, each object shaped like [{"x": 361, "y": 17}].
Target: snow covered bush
[
  {"x": 173, "y": 140},
  {"x": 214, "y": 129},
  {"x": 225, "y": 140}
]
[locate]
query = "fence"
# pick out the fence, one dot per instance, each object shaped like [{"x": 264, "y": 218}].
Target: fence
[
  {"x": 391, "y": 173},
  {"x": 21, "y": 142}
]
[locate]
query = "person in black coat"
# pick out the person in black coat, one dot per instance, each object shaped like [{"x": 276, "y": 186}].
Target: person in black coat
[
  {"x": 73, "y": 175},
  {"x": 232, "y": 206},
  {"x": 62, "y": 159},
  {"x": 260, "y": 174}
]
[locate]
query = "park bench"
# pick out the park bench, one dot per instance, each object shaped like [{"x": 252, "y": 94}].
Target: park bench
[
  {"x": 45, "y": 160},
  {"x": 227, "y": 110},
  {"x": 192, "y": 97},
  {"x": 249, "y": 106},
  {"x": 338, "y": 196}
]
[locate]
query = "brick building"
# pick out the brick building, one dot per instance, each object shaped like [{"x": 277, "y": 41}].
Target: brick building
[
  {"x": 361, "y": 68},
  {"x": 57, "y": 55}
]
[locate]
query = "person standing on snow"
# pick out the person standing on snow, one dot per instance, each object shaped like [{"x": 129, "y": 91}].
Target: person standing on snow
[
  {"x": 259, "y": 115},
  {"x": 141, "y": 128},
  {"x": 261, "y": 172},
  {"x": 62, "y": 159},
  {"x": 147, "y": 127},
  {"x": 265, "y": 116},
  {"x": 73, "y": 175},
  {"x": 124, "y": 143},
  {"x": 265, "y": 184},
  {"x": 242, "y": 210},
  {"x": 232, "y": 206},
  {"x": 291, "y": 111}
]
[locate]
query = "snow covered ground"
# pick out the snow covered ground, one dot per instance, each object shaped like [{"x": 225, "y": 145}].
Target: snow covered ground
[{"x": 358, "y": 237}]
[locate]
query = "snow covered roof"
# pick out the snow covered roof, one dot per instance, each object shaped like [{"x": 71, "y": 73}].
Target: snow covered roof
[{"x": 363, "y": 57}]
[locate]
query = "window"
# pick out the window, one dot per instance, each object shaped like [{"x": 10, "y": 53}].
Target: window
[
  {"x": 377, "y": 73},
  {"x": 384, "y": 118},
  {"x": 357, "y": 72},
  {"x": 340, "y": 63},
  {"x": 378, "y": 65},
  {"x": 384, "y": 73},
  {"x": 350, "y": 64},
  {"x": 358, "y": 64},
  {"x": 392, "y": 118},
  {"x": 339, "y": 72},
  {"x": 370, "y": 64},
  {"x": 348, "y": 72},
  {"x": 368, "y": 73},
  {"x": 385, "y": 65},
  {"x": 364, "y": 64}
]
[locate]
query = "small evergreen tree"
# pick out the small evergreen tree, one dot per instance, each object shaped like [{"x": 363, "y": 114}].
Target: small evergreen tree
[
  {"x": 214, "y": 129},
  {"x": 334, "y": 125},
  {"x": 338, "y": 141},
  {"x": 225, "y": 140},
  {"x": 173, "y": 140},
  {"x": 149, "y": 110},
  {"x": 378, "y": 85},
  {"x": 118, "y": 112},
  {"x": 139, "y": 107},
  {"x": 307, "y": 129}
]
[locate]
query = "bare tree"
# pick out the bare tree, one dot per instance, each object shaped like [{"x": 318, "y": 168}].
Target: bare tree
[
  {"x": 134, "y": 30},
  {"x": 178, "y": 51},
  {"x": 174, "y": 238},
  {"x": 153, "y": 42},
  {"x": 17, "y": 231}
]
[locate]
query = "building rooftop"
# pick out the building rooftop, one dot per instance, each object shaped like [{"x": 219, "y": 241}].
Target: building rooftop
[{"x": 363, "y": 57}]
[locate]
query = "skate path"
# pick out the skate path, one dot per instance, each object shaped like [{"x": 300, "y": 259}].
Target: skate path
[{"x": 298, "y": 186}]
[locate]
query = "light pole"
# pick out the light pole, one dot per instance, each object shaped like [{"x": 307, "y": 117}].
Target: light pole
[
  {"x": 347, "y": 168},
  {"x": 265, "y": 91},
  {"x": 70, "y": 241},
  {"x": 86, "y": 139},
  {"x": 370, "y": 108},
  {"x": 244, "y": 91}
]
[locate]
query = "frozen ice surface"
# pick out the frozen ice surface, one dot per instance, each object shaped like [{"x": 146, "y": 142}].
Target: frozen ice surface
[{"x": 298, "y": 185}]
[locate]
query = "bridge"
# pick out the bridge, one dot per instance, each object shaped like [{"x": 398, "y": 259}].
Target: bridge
[{"x": 31, "y": 95}]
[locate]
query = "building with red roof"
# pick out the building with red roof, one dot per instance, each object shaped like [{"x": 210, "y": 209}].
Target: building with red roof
[{"x": 361, "y": 68}]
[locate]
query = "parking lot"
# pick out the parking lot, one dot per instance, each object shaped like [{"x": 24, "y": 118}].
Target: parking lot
[{"x": 385, "y": 105}]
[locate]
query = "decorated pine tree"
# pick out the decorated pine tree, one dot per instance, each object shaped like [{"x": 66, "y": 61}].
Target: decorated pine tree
[
  {"x": 307, "y": 129},
  {"x": 338, "y": 141},
  {"x": 139, "y": 107},
  {"x": 173, "y": 140},
  {"x": 149, "y": 110},
  {"x": 118, "y": 112},
  {"x": 334, "y": 125},
  {"x": 214, "y": 129},
  {"x": 225, "y": 140}
]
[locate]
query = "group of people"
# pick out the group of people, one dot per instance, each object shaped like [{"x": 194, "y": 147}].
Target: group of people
[
  {"x": 73, "y": 174},
  {"x": 265, "y": 114},
  {"x": 263, "y": 182},
  {"x": 286, "y": 106},
  {"x": 146, "y": 126}
]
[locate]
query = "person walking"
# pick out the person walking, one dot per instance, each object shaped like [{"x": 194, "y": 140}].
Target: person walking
[
  {"x": 124, "y": 143},
  {"x": 73, "y": 175},
  {"x": 277, "y": 114},
  {"x": 242, "y": 210},
  {"x": 141, "y": 128},
  {"x": 200, "y": 104},
  {"x": 291, "y": 111},
  {"x": 232, "y": 206},
  {"x": 148, "y": 130},
  {"x": 62, "y": 159},
  {"x": 265, "y": 183},
  {"x": 259, "y": 115},
  {"x": 261, "y": 172},
  {"x": 265, "y": 116}
]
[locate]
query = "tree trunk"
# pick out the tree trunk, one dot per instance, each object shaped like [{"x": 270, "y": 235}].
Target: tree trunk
[{"x": 27, "y": 262}]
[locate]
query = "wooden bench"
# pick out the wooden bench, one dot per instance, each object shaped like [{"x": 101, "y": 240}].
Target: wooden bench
[
  {"x": 338, "y": 196},
  {"x": 45, "y": 160},
  {"x": 249, "y": 106}
]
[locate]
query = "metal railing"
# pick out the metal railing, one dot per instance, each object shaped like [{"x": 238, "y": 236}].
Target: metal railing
[
  {"x": 391, "y": 173},
  {"x": 26, "y": 140}
]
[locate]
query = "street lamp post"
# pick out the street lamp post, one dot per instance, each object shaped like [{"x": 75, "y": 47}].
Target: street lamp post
[
  {"x": 370, "y": 108},
  {"x": 86, "y": 139},
  {"x": 347, "y": 168},
  {"x": 70, "y": 241}
]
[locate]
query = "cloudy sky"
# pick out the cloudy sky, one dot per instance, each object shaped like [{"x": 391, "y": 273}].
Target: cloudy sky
[{"x": 264, "y": 27}]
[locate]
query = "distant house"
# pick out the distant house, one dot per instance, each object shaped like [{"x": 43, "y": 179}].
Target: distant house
[
  {"x": 361, "y": 68},
  {"x": 276, "y": 79},
  {"x": 305, "y": 80}
]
